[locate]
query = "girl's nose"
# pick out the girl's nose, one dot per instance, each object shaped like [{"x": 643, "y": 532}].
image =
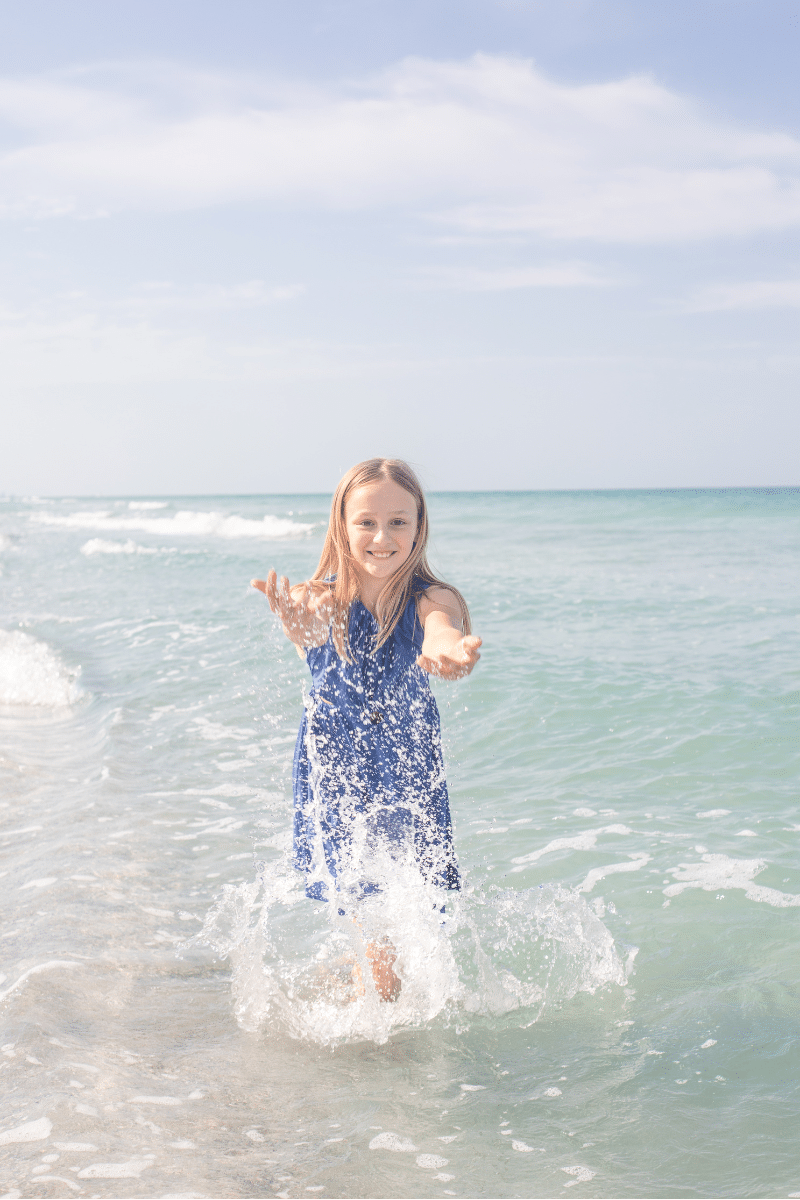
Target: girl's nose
[{"x": 381, "y": 535}]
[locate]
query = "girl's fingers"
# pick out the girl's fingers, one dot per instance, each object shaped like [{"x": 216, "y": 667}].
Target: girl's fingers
[
  {"x": 284, "y": 596},
  {"x": 278, "y": 593},
  {"x": 270, "y": 591},
  {"x": 454, "y": 664}
]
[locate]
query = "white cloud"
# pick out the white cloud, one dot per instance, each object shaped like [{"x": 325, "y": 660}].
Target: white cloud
[
  {"x": 554, "y": 275},
  {"x": 77, "y": 340},
  {"x": 765, "y": 293},
  {"x": 488, "y": 144},
  {"x": 154, "y": 296},
  {"x": 158, "y": 330}
]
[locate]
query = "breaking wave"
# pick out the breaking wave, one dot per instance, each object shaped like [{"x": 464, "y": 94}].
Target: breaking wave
[
  {"x": 194, "y": 524},
  {"x": 32, "y": 674},
  {"x": 100, "y": 546}
]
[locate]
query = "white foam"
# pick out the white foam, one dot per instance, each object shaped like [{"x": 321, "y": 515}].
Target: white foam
[
  {"x": 124, "y": 1170},
  {"x": 582, "y": 1175},
  {"x": 33, "y": 675},
  {"x": 719, "y": 872},
  {"x": 37, "y": 970},
  {"x": 31, "y": 1131},
  {"x": 155, "y": 1100},
  {"x": 598, "y": 873},
  {"x": 582, "y": 841},
  {"x": 392, "y": 1141},
  {"x": 142, "y": 504},
  {"x": 522, "y": 1147},
  {"x": 714, "y": 812},
  {"x": 193, "y": 524},
  {"x": 431, "y": 1162},
  {"x": 99, "y": 546},
  {"x": 76, "y": 1147}
]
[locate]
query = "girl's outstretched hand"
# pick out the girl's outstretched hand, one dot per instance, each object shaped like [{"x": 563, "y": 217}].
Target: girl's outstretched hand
[
  {"x": 304, "y": 613},
  {"x": 452, "y": 661}
]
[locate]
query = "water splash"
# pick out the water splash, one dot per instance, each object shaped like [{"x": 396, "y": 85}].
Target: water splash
[{"x": 300, "y": 968}]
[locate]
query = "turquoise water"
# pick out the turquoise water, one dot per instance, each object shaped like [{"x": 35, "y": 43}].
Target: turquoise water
[{"x": 610, "y": 1008}]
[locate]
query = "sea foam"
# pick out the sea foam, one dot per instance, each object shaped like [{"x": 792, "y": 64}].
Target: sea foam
[
  {"x": 100, "y": 546},
  {"x": 31, "y": 673},
  {"x": 719, "y": 871},
  {"x": 196, "y": 524}
]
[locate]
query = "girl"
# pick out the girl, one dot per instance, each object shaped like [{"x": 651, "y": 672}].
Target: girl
[{"x": 369, "y": 785}]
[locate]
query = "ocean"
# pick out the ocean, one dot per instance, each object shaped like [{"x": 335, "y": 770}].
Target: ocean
[{"x": 609, "y": 1008}]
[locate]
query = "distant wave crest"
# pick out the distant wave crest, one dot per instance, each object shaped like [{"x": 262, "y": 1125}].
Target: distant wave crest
[
  {"x": 99, "y": 546},
  {"x": 197, "y": 524},
  {"x": 32, "y": 674}
]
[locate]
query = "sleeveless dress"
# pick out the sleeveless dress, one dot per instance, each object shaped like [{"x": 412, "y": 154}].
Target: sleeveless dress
[{"x": 369, "y": 783}]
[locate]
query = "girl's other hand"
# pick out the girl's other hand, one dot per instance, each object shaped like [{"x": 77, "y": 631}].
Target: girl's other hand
[
  {"x": 305, "y": 613},
  {"x": 454, "y": 661}
]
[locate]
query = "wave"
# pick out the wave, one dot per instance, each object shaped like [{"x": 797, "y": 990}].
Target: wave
[
  {"x": 32, "y": 674},
  {"x": 196, "y": 524},
  {"x": 99, "y": 546}
]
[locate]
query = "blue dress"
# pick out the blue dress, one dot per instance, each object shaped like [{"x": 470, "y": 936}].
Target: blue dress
[{"x": 369, "y": 782}]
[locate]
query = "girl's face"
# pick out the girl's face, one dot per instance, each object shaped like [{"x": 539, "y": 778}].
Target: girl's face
[{"x": 381, "y": 523}]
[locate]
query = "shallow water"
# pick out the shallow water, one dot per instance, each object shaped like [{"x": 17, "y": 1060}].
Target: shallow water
[{"x": 610, "y": 1006}]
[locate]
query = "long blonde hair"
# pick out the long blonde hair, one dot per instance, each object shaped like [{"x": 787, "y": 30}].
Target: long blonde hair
[{"x": 337, "y": 561}]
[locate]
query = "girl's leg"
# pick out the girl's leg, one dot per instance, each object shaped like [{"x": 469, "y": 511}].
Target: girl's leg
[{"x": 382, "y": 957}]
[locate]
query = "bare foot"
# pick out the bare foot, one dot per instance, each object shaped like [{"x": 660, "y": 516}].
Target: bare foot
[{"x": 382, "y": 957}]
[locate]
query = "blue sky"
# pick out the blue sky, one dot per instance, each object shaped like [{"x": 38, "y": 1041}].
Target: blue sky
[{"x": 525, "y": 245}]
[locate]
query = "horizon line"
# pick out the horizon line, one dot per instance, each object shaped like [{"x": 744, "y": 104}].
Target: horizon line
[{"x": 718, "y": 488}]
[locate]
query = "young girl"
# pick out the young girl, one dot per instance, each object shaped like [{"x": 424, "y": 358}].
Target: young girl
[{"x": 369, "y": 784}]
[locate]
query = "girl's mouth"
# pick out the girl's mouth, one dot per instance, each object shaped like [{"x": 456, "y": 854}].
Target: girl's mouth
[{"x": 381, "y": 554}]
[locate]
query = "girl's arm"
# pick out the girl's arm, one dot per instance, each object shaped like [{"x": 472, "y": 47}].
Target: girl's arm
[
  {"x": 445, "y": 650},
  {"x": 305, "y": 613}
]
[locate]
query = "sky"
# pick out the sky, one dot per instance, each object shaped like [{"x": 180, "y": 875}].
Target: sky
[{"x": 525, "y": 244}]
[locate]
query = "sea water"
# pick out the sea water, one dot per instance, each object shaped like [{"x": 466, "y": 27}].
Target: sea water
[{"x": 609, "y": 1007}]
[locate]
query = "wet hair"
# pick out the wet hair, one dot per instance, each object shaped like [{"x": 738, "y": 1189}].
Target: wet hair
[{"x": 336, "y": 568}]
